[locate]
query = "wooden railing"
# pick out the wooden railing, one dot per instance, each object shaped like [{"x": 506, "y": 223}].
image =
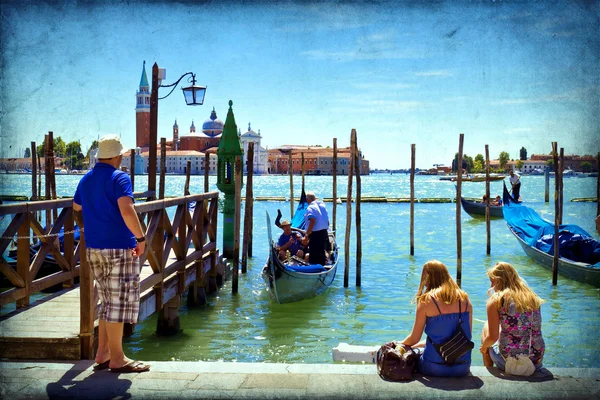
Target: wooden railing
[
  {"x": 26, "y": 278},
  {"x": 190, "y": 236}
]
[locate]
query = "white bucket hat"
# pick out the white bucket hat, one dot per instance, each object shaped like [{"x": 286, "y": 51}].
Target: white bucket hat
[{"x": 110, "y": 146}]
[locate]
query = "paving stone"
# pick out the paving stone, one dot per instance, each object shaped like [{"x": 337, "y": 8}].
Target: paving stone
[
  {"x": 263, "y": 381},
  {"x": 341, "y": 386},
  {"x": 221, "y": 381}
]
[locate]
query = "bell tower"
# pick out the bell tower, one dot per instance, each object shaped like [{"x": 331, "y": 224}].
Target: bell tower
[
  {"x": 175, "y": 136},
  {"x": 142, "y": 112}
]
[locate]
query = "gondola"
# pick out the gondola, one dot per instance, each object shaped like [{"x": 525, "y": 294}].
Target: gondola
[
  {"x": 579, "y": 257},
  {"x": 294, "y": 279},
  {"x": 477, "y": 209}
]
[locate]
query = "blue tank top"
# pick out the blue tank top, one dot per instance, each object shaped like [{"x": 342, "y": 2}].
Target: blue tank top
[{"x": 439, "y": 329}]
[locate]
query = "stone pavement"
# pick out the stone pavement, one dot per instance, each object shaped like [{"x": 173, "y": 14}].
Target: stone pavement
[{"x": 221, "y": 380}]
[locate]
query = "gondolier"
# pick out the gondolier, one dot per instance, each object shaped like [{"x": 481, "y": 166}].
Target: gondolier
[
  {"x": 316, "y": 220},
  {"x": 515, "y": 182}
]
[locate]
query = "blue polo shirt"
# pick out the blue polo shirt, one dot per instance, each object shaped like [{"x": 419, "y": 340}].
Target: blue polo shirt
[{"x": 97, "y": 193}]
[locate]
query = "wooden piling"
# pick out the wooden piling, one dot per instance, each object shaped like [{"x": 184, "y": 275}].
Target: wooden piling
[
  {"x": 132, "y": 169},
  {"x": 547, "y": 184},
  {"x": 598, "y": 187},
  {"x": 348, "y": 217},
  {"x": 87, "y": 305},
  {"x": 334, "y": 189},
  {"x": 357, "y": 210},
  {"x": 206, "y": 170},
  {"x": 33, "y": 172},
  {"x": 47, "y": 179},
  {"x": 248, "y": 212},
  {"x": 236, "y": 225},
  {"x": 412, "y": 199},
  {"x": 302, "y": 166},
  {"x": 163, "y": 168},
  {"x": 561, "y": 198},
  {"x": 186, "y": 187},
  {"x": 291, "y": 171},
  {"x": 458, "y": 208},
  {"x": 556, "y": 214},
  {"x": 488, "y": 247}
]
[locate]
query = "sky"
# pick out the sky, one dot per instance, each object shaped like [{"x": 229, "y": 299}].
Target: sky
[{"x": 508, "y": 74}]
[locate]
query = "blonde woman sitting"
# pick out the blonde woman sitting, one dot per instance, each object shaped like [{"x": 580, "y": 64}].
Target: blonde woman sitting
[
  {"x": 441, "y": 308},
  {"x": 514, "y": 324}
]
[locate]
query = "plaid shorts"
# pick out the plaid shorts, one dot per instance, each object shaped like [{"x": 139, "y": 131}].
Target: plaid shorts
[{"x": 117, "y": 275}]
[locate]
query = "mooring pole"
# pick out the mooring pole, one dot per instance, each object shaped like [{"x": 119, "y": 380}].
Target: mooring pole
[
  {"x": 412, "y": 198},
  {"x": 556, "y": 213},
  {"x": 458, "y": 206},
  {"x": 334, "y": 190},
  {"x": 291, "y": 172},
  {"x": 348, "y": 218},
  {"x": 357, "y": 211},
  {"x": 487, "y": 200}
]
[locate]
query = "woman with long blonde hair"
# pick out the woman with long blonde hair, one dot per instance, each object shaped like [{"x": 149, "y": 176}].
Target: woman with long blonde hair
[
  {"x": 441, "y": 308},
  {"x": 514, "y": 324}
]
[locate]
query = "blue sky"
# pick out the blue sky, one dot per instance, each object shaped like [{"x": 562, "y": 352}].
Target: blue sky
[{"x": 509, "y": 74}]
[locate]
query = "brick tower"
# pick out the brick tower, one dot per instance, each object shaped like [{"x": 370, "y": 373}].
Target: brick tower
[{"x": 142, "y": 113}]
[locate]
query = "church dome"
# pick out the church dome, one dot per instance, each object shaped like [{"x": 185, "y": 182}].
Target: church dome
[{"x": 213, "y": 126}]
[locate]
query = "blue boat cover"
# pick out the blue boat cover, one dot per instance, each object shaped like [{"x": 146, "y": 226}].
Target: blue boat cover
[
  {"x": 574, "y": 242},
  {"x": 307, "y": 269}
]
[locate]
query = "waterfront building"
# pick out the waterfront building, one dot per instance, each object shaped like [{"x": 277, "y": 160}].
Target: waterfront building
[
  {"x": 209, "y": 138},
  {"x": 140, "y": 163},
  {"x": 142, "y": 113},
  {"x": 260, "y": 163},
  {"x": 21, "y": 164},
  {"x": 317, "y": 160}
]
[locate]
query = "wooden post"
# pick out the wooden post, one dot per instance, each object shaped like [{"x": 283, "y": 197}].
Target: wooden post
[
  {"x": 547, "y": 183},
  {"x": 561, "y": 198},
  {"x": 47, "y": 179},
  {"x": 348, "y": 217},
  {"x": 598, "y": 186},
  {"x": 34, "y": 184},
  {"x": 132, "y": 169},
  {"x": 87, "y": 306},
  {"x": 33, "y": 172},
  {"x": 458, "y": 207},
  {"x": 153, "y": 130},
  {"x": 357, "y": 211},
  {"x": 23, "y": 258},
  {"x": 247, "y": 243},
  {"x": 334, "y": 172},
  {"x": 163, "y": 167},
  {"x": 168, "y": 323},
  {"x": 186, "y": 187},
  {"x": 412, "y": 199},
  {"x": 236, "y": 224},
  {"x": 488, "y": 247},
  {"x": 291, "y": 171},
  {"x": 556, "y": 214},
  {"x": 302, "y": 165},
  {"x": 206, "y": 170}
]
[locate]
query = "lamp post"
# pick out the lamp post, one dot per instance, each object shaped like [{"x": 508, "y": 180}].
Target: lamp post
[{"x": 194, "y": 96}]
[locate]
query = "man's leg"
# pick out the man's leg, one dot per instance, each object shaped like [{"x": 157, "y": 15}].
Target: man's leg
[
  {"x": 114, "y": 331},
  {"x": 103, "y": 353}
]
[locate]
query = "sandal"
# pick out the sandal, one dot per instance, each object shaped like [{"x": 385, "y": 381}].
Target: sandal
[
  {"x": 101, "y": 366},
  {"x": 132, "y": 366}
]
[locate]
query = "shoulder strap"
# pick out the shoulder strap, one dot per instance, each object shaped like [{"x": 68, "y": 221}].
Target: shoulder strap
[
  {"x": 436, "y": 304},
  {"x": 459, "y": 312}
]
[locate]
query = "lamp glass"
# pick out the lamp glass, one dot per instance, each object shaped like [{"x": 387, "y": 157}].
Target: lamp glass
[{"x": 194, "y": 95}]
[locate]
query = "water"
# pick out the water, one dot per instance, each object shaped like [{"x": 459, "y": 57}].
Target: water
[{"x": 249, "y": 327}]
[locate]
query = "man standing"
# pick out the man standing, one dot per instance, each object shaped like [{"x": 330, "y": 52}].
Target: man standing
[
  {"x": 316, "y": 219},
  {"x": 515, "y": 181},
  {"x": 114, "y": 240}
]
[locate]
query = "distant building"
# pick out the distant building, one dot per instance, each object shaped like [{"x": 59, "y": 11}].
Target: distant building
[
  {"x": 260, "y": 163},
  {"x": 317, "y": 160},
  {"x": 142, "y": 112}
]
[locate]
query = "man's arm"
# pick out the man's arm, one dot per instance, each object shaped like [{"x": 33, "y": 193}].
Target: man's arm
[
  {"x": 77, "y": 213},
  {"x": 131, "y": 220}
]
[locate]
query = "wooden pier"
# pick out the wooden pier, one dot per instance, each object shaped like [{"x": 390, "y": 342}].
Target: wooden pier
[{"x": 181, "y": 255}]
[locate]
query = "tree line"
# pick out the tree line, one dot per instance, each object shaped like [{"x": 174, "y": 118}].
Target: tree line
[{"x": 71, "y": 153}]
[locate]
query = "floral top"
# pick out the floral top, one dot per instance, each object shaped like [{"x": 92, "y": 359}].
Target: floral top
[{"x": 517, "y": 330}]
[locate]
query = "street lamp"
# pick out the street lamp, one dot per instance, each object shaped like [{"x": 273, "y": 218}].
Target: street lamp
[{"x": 194, "y": 96}]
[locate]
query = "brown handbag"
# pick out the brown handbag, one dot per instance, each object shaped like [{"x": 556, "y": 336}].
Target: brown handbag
[{"x": 396, "y": 362}]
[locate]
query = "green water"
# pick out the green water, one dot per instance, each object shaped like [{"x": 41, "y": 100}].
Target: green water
[{"x": 249, "y": 327}]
